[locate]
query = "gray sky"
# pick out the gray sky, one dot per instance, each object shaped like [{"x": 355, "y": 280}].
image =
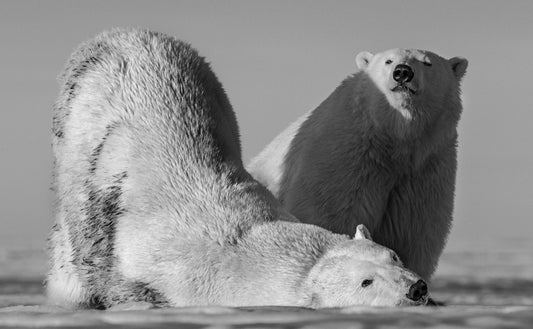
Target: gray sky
[{"x": 277, "y": 60}]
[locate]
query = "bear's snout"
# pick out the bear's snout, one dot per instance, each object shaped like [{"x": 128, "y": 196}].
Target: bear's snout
[
  {"x": 418, "y": 291},
  {"x": 403, "y": 73}
]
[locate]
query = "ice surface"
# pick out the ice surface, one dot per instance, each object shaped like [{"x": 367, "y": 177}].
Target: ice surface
[{"x": 483, "y": 286}]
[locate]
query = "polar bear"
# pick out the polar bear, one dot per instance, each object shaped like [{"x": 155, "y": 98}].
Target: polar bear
[
  {"x": 380, "y": 151},
  {"x": 154, "y": 205}
]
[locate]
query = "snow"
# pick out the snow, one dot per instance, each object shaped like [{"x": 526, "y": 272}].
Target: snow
[{"x": 483, "y": 286}]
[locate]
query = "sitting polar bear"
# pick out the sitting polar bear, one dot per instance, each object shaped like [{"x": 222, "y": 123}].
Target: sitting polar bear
[
  {"x": 154, "y": 204},
  {"x": 380, "y": 151}
]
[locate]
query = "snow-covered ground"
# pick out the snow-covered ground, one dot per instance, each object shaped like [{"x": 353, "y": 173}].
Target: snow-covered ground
[{"x": 484, "y": 285}]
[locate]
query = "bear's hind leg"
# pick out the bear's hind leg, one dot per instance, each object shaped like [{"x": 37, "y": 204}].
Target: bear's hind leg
[{"x": 63, "y": 284}]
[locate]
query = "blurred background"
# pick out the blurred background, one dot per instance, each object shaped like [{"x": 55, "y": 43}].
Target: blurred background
[{"x": 277, "y": 60}]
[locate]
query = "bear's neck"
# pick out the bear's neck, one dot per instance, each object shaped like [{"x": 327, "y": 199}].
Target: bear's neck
[
  {"x": 285, "y": 252},
  {"x": 270, "y": 265},
  {"x": 407, "y": 141}
]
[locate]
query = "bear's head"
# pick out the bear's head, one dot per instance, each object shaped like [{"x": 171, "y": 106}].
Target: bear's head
[
  {"x": 419, "y": 84},
  {"x": 361, "y": 272}
]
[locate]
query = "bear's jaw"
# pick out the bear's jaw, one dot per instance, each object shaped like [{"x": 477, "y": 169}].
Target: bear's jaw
[
  {"x": 402, "y": 102},
  {"x": 400, "y": 96},
  {"x": 407, "y": 302},
  {"x": 404, "y": 89}
]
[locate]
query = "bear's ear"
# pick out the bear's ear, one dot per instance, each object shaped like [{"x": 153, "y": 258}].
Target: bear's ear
[
  {"x": 362, "y": 233},
  {"x": 363, "y": 59},
  {"x": 459, "y": 65}
]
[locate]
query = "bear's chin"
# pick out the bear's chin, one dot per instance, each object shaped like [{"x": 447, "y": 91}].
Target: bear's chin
[
  {"x": 407, "y": 302},
  {"x": 404, "y": 90}
]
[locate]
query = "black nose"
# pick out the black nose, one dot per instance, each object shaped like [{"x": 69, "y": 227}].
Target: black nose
[
  {"x": 418, "y": 290},
  {"x": 402, "y": 73}
]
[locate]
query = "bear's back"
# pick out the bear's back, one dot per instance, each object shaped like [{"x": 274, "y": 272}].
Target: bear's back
[{"x": 143, "y": 137}]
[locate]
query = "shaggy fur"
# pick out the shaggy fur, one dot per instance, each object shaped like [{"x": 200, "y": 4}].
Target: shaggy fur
[
  {"x": 376, "y": 156},
  {"x": 154, "y": 205}
]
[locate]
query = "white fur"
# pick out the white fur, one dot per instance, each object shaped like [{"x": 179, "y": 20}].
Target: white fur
[
  {"x": 380, "y": 74},
  {"x": 376, "y": 154},
  {"x": 271, "y": 160},
  {"x": 155, "y": 207},
  {"x": 63, "y": 283}
]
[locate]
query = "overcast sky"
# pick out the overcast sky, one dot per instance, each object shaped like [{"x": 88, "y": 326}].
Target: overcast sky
[{"x": 277, "y": 60}]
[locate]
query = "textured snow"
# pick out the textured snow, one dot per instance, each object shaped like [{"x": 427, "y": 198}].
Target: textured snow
[{"x": 483, "y": 286}]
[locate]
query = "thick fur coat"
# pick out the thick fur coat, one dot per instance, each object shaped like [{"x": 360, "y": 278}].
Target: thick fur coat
[
  {"x": 378, "y": 153},
  {"x": 154, "y": 205}
]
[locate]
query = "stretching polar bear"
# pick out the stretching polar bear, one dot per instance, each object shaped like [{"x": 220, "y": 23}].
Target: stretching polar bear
[
  {"x": 380, "y": 151},
  {"x": 154, "y": 204}
]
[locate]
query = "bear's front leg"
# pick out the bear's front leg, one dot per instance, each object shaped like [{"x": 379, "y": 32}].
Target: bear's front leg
[{"x": 419, "y": 214}]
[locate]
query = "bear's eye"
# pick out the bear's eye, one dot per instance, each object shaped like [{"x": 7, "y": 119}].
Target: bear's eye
[
  {"x": 427, "y": 63},
  {"x": 366, "y": 283},
  {"x": 395, "y": 258},
  {"x": 388, "y": 62}
]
